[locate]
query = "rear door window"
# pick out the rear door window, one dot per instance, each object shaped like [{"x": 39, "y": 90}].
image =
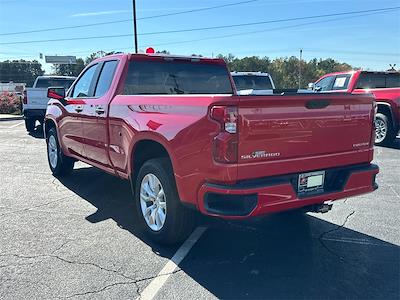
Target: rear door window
[
  {"x": 341, "y": 82},
  {"x": 176, "y": 77},
  {"x": 105, "y": 78}
]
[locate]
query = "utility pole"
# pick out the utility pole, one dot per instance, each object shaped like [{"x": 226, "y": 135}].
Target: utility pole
[
  {"x": 134, "y": 26},
  {"x": 301, "y": 54}
]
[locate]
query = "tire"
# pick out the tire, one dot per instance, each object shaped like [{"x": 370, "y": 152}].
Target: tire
[
  {"x": 384, "y": 131},
  {"x": 30, "y": 125},
  {"x": 60, "y": 165},
  {"x": 155, "y": 176}
]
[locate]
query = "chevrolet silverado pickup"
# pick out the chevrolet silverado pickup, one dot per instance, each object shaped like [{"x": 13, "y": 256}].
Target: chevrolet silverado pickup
[
  {"x": 385, "y": 86},
  {"x": 177, "y": 130},
  {"x": 35, "y": 98}
]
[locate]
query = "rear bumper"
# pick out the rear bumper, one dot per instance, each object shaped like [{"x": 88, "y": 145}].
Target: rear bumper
[
  {"x": 34, "y": 113},
  {"x": 274, "y": 194}
]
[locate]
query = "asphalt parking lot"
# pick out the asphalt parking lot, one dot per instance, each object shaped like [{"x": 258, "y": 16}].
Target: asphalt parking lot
[{"x": 76, "y": 238}]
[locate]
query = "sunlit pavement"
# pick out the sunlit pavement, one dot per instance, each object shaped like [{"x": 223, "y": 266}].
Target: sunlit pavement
[{"x": 76, "y": 238}]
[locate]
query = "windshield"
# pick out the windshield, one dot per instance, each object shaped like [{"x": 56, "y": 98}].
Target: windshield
[
  {"x": 254, "y": 82},
  {"x": 176, "y": 77},
  {"x": 55, "y": 82}
]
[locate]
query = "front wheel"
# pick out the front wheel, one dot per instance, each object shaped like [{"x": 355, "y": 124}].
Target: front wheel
[
  {"x": 384, "y": 132},
  {"x": 161, "y": 215},
  {"x": 60, "y": 164}
]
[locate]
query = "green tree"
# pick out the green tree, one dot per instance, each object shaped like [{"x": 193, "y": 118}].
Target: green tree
[
  {"x": 20, "y": 71},
  {"x": 285, "y": 70},
  {"x": 96, "y": 55},
  {"x": 69, "y": 70}
]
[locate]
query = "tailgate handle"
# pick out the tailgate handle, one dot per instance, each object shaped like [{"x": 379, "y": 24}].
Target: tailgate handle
[{"x": 316, "y": 104}]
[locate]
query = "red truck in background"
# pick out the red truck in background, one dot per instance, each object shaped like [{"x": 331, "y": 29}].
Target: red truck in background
[
  {"x": 385, "y": 86},
  {"x": 176, "y": 129}
]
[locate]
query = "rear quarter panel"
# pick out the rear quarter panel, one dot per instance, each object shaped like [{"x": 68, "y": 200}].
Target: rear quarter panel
[{"x": 179, "y": 123}]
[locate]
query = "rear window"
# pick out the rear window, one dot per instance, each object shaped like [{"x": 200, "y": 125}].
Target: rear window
[
  {"x": 393, "y": 80},
  {"x": 176, "y": 77},
  {"x": 377, "y": 80},
  {"x": 56, "y": 82},
  {"x": 254, "y": 82}
]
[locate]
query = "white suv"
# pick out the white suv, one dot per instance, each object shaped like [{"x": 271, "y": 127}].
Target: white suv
[{"x": 253, "y": 83}]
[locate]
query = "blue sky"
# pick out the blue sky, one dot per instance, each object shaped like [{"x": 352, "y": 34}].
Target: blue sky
[{"x": 369, "y": 41}]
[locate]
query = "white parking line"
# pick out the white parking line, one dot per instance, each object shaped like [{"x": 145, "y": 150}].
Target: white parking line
[
  {"x": 152, "y": 289},
  {"x": 15, "y": 125}
]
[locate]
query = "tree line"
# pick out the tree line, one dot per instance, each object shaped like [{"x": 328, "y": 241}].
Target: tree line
[{"x": 284, "y": 70}]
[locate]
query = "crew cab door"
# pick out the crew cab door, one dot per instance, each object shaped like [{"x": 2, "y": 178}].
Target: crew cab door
[
  {"x": 94, "y": 115},
  {"x": 70, "y": 126}
]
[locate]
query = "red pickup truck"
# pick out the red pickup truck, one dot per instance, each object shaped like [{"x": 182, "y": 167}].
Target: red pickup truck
[
  {"x": 385, "y": 86},
  {"x": 176, "y": 129}
]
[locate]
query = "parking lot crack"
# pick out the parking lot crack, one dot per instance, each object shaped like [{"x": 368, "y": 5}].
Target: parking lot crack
[
  {"x": 322, "y": 235},
  {"x": 134, "y": 282},
  {"x": 72, "y": 262},
  {"x": 98, "y": 290},
  {"x": 36, "y": 206}
]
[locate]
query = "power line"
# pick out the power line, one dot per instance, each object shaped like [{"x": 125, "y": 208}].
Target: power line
[
  {"x": 265, "y": 30},
  {"x": 209, "y": 28},
  {"x": 129, "y": 20},
  {"x": 271, "y": 21}
]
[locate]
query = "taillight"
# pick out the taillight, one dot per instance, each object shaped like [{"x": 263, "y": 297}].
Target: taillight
[
  {"x": 25, "y": 100},
  {"x": 225, "y": 144}
]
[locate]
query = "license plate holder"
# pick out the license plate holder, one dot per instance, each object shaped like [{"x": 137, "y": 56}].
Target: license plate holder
[{"x": 311, "y": 182}]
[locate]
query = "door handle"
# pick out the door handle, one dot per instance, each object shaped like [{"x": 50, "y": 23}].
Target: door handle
[
  {"x": 99, "y": 110},
  {"x": 78, "y": 108}
]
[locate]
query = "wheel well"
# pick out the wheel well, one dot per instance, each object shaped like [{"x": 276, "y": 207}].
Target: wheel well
[
  {"x": 48, "y": 124},
  {"x": 384, "y": 109},
  {"x": 143, "y": 151}
]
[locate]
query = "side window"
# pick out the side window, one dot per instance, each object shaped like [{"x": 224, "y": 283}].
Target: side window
[
  {"x": 325, "y": 84},
  {"x": 341, "y": 82},
  {"x": 106, "y": 77},
  {"x": 393, "y": 80},
  {"x": 82, "y": 86}
]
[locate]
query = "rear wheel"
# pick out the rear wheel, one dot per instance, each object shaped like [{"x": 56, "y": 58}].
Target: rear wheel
[
  {"x": 30, "y": 124},
  {"x": 60, "y": 164},
  {"x": 159, "y": 210},
  {"x": 384, "y": 131}
]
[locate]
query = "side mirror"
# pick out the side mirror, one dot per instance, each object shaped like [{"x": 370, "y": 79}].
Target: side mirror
[
  {"x": 311, "y": 86},
  {"x": 57, "y": 93}
]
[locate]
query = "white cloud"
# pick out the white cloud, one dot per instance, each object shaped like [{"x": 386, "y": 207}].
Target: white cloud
[{"x": 99, "y": 13}]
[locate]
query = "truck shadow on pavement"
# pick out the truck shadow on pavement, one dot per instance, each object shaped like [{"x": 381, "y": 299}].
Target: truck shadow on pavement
[
  {"x": 282, "y": 256},
  {"x": 395, "y": 144}
]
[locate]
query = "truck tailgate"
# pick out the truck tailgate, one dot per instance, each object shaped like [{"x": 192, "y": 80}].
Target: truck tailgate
[
  {"x": 36, "y": 98},
  {"x": 281, "y": 134}
]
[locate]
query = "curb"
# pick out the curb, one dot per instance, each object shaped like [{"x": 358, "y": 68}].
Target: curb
[{"x": 16, "y": 118}]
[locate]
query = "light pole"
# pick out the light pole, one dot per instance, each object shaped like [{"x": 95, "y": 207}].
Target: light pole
[
  {"x": 134, "y": 26},
  {"x": 301, "y": 54}
]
